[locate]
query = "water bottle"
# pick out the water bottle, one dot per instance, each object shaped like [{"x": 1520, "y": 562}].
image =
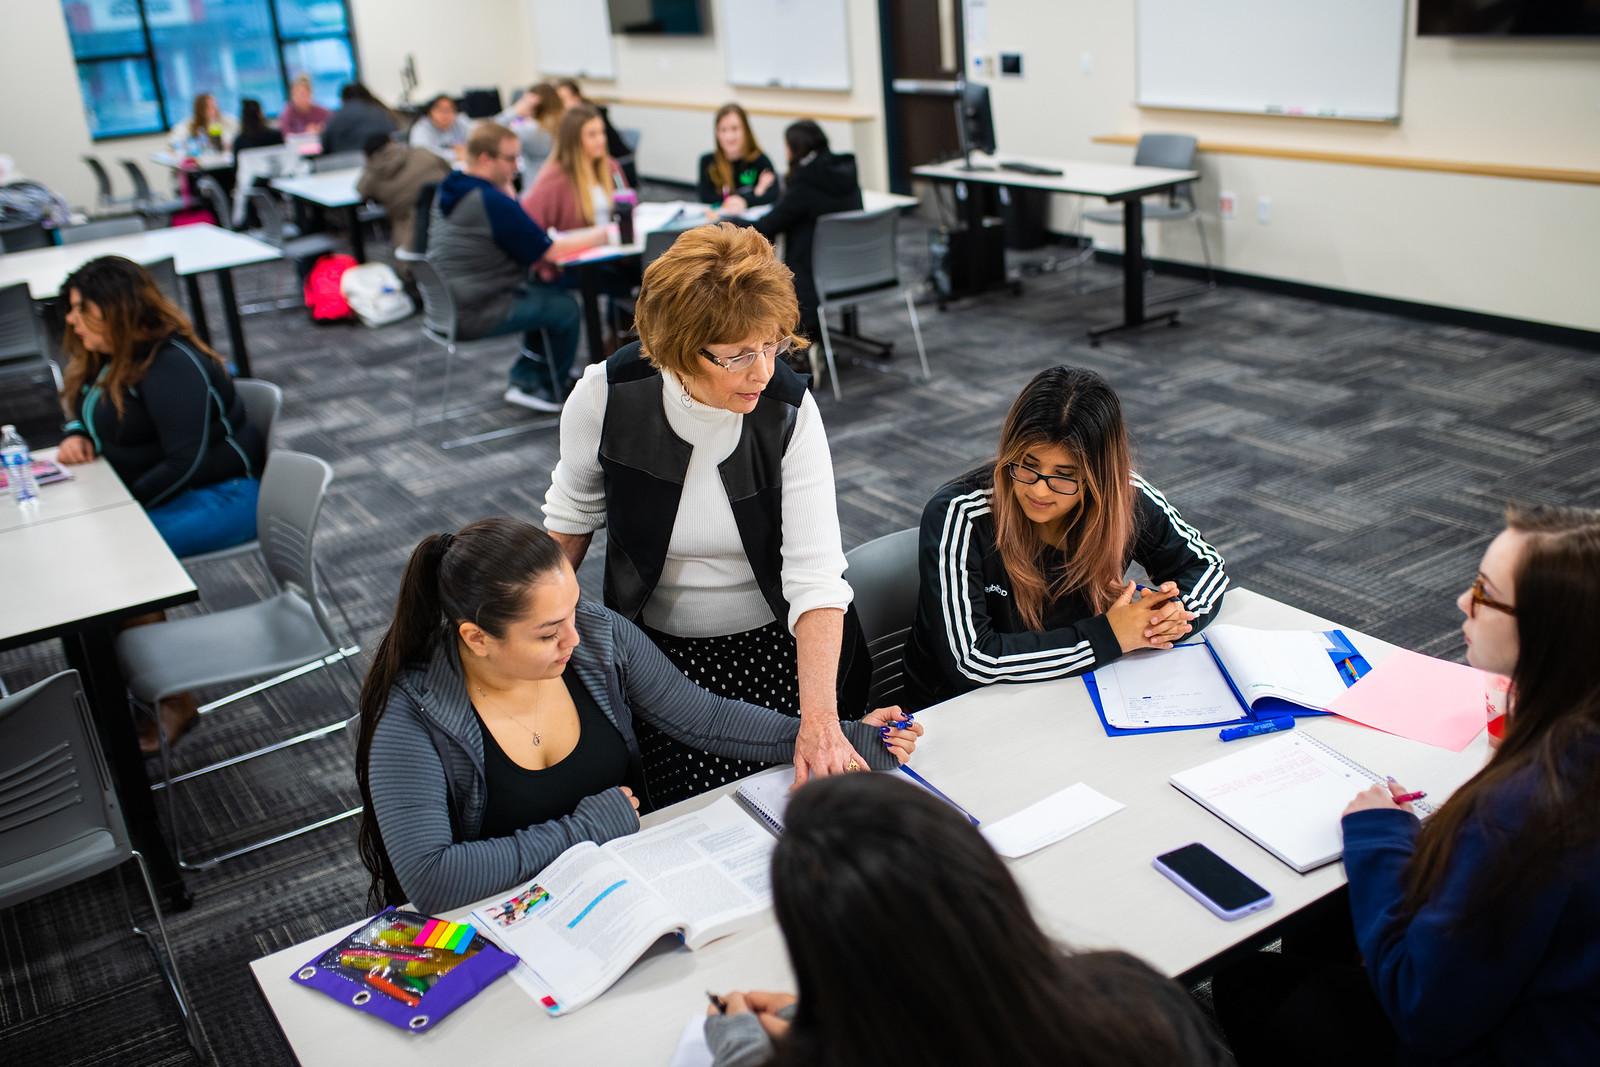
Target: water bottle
[
  {"x": 622, "y": 206},
  {"x": 19, "y": 465}
]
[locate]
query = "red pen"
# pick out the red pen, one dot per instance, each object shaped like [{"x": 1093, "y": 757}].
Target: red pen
[{"x": 1406, "y": 798}]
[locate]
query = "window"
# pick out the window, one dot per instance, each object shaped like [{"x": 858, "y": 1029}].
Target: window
[{"x": 141, "y": 63}]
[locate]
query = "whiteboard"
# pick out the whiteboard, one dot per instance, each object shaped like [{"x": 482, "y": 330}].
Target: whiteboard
[
  {"x": 1325, "y": 58},
  {"x": 573, "y": 38},
  {"x": 787, "y": 44}
]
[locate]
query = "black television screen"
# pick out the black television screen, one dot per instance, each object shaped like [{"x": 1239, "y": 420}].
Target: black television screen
[
  {"x": 686, "y": 18},
  {"x": 1508, "y": 18}
]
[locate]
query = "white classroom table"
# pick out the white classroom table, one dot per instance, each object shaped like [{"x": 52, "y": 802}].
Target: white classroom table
[
  {"x": 1117, "y": 183},
  {"x": 206, "y": 161},
  {"x": 194, "y": 250},
  {"x": 995, "y": 751},
  {"x": 73, "y": 566},
  {"x": 335, "y": 190}
]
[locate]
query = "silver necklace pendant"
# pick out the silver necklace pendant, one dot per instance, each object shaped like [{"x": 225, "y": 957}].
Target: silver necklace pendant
[
  {"x": 536, "y": 739},
  {"x": 684, "y": 398}
]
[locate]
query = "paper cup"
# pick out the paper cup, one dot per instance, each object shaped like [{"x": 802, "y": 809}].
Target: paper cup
[{"x": 1497, "y": 701}]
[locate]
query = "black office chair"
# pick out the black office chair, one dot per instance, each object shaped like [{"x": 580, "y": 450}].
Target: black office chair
[
  {"x": 22, "y": 236},
  {"x": 145, "y": 200},
  {"x": 481, "y": 103},
  {"x": 106, "y": 199}
]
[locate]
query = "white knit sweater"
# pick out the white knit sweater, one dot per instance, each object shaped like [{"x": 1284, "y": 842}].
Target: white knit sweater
[{"x": 707, "y": 587}]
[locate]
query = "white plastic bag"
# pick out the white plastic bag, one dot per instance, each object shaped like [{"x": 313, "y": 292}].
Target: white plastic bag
[{"x": 375, "y": 294}]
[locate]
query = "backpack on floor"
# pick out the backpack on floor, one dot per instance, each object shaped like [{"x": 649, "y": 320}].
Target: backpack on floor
[
  {"x": 375, "y": 294},
  {"x": 324, "y": 299}
]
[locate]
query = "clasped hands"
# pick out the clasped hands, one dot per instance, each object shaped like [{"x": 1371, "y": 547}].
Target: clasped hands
[{"x": 1157, "y": 619}]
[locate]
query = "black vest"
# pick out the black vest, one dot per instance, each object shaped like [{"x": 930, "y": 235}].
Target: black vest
[{"x": 644, "y": 463}]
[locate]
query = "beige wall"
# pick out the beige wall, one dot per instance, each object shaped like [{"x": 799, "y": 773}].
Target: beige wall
[
  {"x": 1524, "y": 249},
  {"x": 693, "y": 69}
]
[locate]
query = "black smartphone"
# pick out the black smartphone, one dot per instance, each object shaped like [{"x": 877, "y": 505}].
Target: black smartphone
[{"x": 1213, "y": 881}]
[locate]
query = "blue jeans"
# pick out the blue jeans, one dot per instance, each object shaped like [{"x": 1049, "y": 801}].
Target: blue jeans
[
  {"x": 209, "y": 518},
  {"x": 536, "y": 307}
]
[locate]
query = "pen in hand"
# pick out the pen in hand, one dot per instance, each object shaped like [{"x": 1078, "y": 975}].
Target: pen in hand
[{"x": 717, "y": 1002}]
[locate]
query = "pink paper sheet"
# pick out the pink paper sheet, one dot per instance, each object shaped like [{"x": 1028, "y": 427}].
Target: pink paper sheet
[{"x": 1411, "y": 695}]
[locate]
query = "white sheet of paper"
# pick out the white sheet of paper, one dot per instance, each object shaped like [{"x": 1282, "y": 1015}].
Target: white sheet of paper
[
  {"x": 692, "y": 1050},
  {"x": 1180, "y": 686},
  {"x": 1057, "y": 816}
]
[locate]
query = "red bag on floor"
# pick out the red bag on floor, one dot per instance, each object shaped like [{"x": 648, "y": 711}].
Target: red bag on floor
[{"x": 324, "y": 299}]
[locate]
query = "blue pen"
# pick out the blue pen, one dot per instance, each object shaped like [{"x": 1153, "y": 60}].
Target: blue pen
[
  {"x": 915, "y": 777},
  {"x": 1265, "y": 726}
]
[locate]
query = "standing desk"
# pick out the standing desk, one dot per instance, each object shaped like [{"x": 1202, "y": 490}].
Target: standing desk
[
  {"x": 74, "y": 566},
  {"x": 1117, "y": 183},
  {"x": 995, "y": 751},
  {"x": 195, "y": 250}
]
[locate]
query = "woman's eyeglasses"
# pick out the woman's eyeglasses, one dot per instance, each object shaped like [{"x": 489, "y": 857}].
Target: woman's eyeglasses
[
  {"x": 1478, "y": 596},
  {"x": 776, "y": 350},
  {"x": 1061, "y": 484}
]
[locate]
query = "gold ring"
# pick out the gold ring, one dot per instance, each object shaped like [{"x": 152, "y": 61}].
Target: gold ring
[{"x": 852, "y": 766}]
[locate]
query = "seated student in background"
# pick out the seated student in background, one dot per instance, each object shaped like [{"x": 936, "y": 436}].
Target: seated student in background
[
  {"x": 736, "y": 175},
  {"x": 571, "y": 96},
  {"x": 497, "y": 721},
  {"x": 393, "y": 176},
  {"x": 883, "y": 892},
  {"x": 253, "y": 129},
  {"x": 1476, "y": 934},
  {"x": 152, "y": 398},
  {"x": 206, "y": 129},
  {"x": 1022, "y": 561},
  {"x": 360, "y": 116},
  {"x": 483, "y": 245},
  {"x": 302, "y": 115},
  {"x": 442, "y": 130},
  {"x": 819, "y": 182},
  {"x": 534, "y": 117},
  {"x": 575, "y": 189}
]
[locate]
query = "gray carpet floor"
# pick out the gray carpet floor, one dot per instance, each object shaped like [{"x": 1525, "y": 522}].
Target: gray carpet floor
[{"x": 1350, "y": 462}]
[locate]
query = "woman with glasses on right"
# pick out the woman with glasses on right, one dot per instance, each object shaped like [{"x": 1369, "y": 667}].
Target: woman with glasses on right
[{"x": 1022, "y": 561}]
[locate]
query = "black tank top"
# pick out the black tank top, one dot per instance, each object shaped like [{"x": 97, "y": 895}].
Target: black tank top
[{"x": 516, "y": 797}]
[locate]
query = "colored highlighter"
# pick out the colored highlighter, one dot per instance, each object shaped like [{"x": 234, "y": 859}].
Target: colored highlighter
[
  {"x": 1255, "y": 729},
  {"x": 383, "y": 985}
]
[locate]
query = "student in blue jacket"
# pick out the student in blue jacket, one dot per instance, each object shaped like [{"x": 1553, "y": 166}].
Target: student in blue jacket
[{"x": 1479, "y": 932}]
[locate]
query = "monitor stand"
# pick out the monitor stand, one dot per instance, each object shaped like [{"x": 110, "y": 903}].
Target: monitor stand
[{"x": 969, "y": 166}]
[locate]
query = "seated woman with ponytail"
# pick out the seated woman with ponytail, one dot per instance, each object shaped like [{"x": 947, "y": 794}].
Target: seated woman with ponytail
[
  {"x": 497, "y": 722},
  {"x": 1023, "y": 561},
  {"x": 1475, "y": 933}
]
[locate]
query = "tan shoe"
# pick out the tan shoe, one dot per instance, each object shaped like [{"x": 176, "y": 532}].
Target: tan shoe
[{"x": 177, "y": 714}]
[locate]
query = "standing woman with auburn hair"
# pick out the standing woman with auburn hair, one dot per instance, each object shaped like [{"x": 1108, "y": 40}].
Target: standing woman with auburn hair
[
  {"x": 736, "y": 175},
  {"x": 1477, "y": 934},
  {"x": 1022, "y": 561}
]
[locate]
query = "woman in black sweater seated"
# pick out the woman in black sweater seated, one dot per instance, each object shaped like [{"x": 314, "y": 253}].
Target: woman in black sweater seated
[
  {"x": 737, "y": 176},
  {"x": 152, "y": 398},
  {"x": 911, "y": 944},
  {"x": 253, "y": 129}
]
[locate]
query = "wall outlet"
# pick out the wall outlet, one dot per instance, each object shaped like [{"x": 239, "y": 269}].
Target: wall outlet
[
  {"x": 1086, "y": 62},
  {"x": 1264, "y": 209},
  {"x": 1227, "y": 203}
]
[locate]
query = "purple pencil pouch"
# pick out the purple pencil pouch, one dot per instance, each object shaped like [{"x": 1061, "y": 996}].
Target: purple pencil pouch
[{"x": 382, "y": 970}]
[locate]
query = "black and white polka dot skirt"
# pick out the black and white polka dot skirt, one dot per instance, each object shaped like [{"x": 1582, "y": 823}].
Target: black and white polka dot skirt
[{"x": 757, "y": 666}]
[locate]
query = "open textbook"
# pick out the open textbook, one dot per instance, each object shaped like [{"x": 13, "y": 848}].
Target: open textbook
[
  {"x": 586, "y": 918},
  {"x": 1234, "y": 674}
]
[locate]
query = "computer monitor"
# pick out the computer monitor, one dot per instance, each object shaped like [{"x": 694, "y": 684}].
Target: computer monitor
[{"x": 975, "y": 122}]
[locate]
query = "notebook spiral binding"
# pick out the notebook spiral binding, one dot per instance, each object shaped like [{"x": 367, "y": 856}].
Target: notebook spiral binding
[
  {"x": 759, "y": 812},
  {"x": 1377, "y": 779}
]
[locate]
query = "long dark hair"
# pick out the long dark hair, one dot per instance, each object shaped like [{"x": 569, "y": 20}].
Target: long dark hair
[
  {"x": 251, "y": 118},
  {"x": 803, "y": 138},
  {"x": 1074, "y": 409},
  {"x": 1552, "y": 735},
  {"x": 479, "y": 574},
  {"x": 877, "y": 886},
  {"x": 137, "y": 316}
]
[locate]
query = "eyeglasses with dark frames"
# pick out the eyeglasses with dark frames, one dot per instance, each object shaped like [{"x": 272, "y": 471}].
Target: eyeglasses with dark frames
[
  {"x": 1478, "y": 596},
  {"x": 775, "y": 350},
  {"x": 1060, "y": 484}
]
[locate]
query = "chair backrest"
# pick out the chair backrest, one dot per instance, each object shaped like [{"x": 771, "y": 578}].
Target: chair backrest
[
  {"x": 102, "y": 180},
  {"x": 215, "y": 199},
  {"x": 1175, "y": 151},
  {"x": 141, "y": 185},
  {"x": 23, "y": 236},
  {"x": 165, "y": 273},
  {"x": 269, "y": 209},
  {"x": 337, "y": 161},
  {"x": 422, "y": 217},
  {"x": 438, "y": 306},
  {"x": 630, "y": 137},
  {"x": 262, "y": 403},
  {"x": 854, "y": 251},
  {"x": 252, "y": 165},
  {"x": 292, "y": 489},
  {"x": 656, "y": 243},
  {"x": 481, "y": 103},
  {"x": 19, "y": 326},
  {"x": 883, "y": 574},
  {"x": 93, "y": 231},
  {"x": 55, "y": 789}
]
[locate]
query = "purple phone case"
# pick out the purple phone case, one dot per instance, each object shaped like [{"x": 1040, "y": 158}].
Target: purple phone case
[
  {"x": 452, "y": 990},
  {"x": 1210, "y": 905}
]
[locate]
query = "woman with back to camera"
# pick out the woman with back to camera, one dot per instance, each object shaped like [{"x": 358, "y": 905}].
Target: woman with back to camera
[
  {"x": 498, "y": 720},
  {"x": 921, "y": 914},
  {"x": 736, "y": 176},
  {"x": 1022, "y": 561},
  {"x": 1475, "y": 933},
  {"x": 705, "y": 460}
]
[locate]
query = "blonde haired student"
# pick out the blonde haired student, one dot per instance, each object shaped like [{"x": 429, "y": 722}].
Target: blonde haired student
[
  {"x": 1022, "y": 561},
  {"x": 577, "y": 186}
]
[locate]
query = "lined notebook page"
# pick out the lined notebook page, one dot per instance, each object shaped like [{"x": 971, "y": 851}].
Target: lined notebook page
[{"x": 1285, "y": 793}]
